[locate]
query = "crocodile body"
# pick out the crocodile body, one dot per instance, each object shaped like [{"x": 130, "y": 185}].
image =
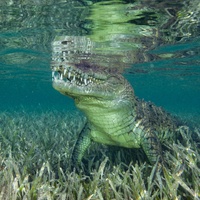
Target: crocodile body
[{"x": 115, "y": 116}]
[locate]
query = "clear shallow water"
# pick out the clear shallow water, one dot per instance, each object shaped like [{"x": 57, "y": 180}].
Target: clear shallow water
[{"x": 162, "y": 50}]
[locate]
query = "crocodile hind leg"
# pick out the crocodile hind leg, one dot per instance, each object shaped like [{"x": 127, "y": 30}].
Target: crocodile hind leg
[
  {"x": 152, "y": 147},
  {"x": 81, "y": 146}
]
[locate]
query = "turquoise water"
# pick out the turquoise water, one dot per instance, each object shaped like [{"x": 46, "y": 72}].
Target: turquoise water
[{"x": 168, "y": 74}]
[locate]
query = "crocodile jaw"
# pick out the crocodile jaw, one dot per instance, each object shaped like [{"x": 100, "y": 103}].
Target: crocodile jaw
[
  {"x": 78, "y": 82},
  {"x": 69, "y": 80}
]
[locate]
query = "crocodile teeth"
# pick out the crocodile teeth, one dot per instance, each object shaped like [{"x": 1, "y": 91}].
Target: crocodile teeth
[
  {"x": 55, "y": 78},
  {"x": 85, "y": 81},
  {"x": 69, "y": 74}
]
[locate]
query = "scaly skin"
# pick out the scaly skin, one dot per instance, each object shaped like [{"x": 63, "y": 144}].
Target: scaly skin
[{"x": 114, "y": 115}]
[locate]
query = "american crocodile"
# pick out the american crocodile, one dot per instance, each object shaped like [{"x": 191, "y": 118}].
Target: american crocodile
[{"x": 115, "y": 116}]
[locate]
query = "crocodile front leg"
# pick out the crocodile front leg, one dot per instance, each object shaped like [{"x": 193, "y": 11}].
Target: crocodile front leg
[
  {"x": 81, "y": 146},
  {"x": 151, "y": 147}
]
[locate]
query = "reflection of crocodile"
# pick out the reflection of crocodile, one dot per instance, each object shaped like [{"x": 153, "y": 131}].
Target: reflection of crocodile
[{"x": 115, "y": 116}]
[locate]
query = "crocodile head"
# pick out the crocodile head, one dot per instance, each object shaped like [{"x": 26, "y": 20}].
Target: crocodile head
[
  {"x": 90, "y": 85},
  {"x": 78, "y": 72}
]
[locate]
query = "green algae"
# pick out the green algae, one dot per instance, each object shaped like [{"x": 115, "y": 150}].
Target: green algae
[{"x": 35, "y": 151}]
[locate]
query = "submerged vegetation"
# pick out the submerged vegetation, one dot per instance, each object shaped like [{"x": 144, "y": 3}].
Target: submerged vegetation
[{"x": 35, "y": 151}]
